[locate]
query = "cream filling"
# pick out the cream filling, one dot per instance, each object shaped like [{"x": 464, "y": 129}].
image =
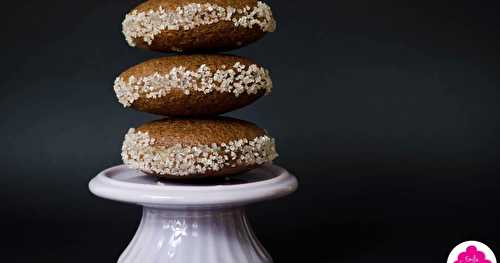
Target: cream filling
[
  {"x": 147, "y": 25},
  {"x": 139, "y": 152},
  {"x": 237, "y": 79}
]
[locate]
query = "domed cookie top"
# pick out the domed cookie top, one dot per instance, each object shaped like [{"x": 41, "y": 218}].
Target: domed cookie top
[
  {"x": 190, "y": 25},
  {"x": 192, "y": 85},
  {"x": 191, "y": 148}
]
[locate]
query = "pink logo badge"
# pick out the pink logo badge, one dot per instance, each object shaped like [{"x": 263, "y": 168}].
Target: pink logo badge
[
  {"x": 471, "y": 252},
  {"x": 472, "y": 255}
]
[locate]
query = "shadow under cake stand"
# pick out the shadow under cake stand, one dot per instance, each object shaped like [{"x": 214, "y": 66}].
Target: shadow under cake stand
[{"x": 194, "y": 222}]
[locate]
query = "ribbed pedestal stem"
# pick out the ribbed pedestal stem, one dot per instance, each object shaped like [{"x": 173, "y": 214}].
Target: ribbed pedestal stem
[{"x": 194, "y": 236}]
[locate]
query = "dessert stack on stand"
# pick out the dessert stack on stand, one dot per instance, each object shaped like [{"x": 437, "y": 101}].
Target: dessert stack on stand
[{"x": 192, "y": 170}]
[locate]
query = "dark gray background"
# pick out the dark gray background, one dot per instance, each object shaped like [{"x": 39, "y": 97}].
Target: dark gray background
[{"x": 387, "y": 112}]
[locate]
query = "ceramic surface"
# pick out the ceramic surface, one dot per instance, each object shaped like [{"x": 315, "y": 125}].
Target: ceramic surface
[
  {"x": 194, "y": 236},
  {"x": 195, "y": 223}
]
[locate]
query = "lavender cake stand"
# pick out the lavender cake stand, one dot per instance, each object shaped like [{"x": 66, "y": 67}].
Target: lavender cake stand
[{"x": 194, "y": 222}]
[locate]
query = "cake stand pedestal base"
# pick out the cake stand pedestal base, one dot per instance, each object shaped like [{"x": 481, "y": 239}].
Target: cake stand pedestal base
[{"x": 194, "y": 222}]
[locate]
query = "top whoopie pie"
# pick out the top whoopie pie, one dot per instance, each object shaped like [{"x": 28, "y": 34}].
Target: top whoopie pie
[{"x": 194, "y": 25}]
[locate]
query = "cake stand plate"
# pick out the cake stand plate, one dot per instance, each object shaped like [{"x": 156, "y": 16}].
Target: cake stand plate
[{"x": 194, "y": 222}]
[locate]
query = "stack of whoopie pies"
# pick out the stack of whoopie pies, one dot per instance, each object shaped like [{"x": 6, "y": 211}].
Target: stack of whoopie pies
[{"x": 190, "y": 90}]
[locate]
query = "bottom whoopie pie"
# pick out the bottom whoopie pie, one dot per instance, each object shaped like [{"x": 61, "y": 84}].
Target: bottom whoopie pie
[{"x": 197, "y": 148}]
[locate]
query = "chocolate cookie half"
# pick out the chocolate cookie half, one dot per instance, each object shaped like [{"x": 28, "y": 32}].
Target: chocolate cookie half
[
  {"x": 192, "y": 85},
  {"x": 197, "y": 148},
  {"x": 194, "y": 25}
]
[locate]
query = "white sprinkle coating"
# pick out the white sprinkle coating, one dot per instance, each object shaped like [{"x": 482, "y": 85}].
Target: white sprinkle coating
[
  {"x": 147, "y": 25},
  {"x": 237, "y": 79},
  {"x": 139, "y": 152}
]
